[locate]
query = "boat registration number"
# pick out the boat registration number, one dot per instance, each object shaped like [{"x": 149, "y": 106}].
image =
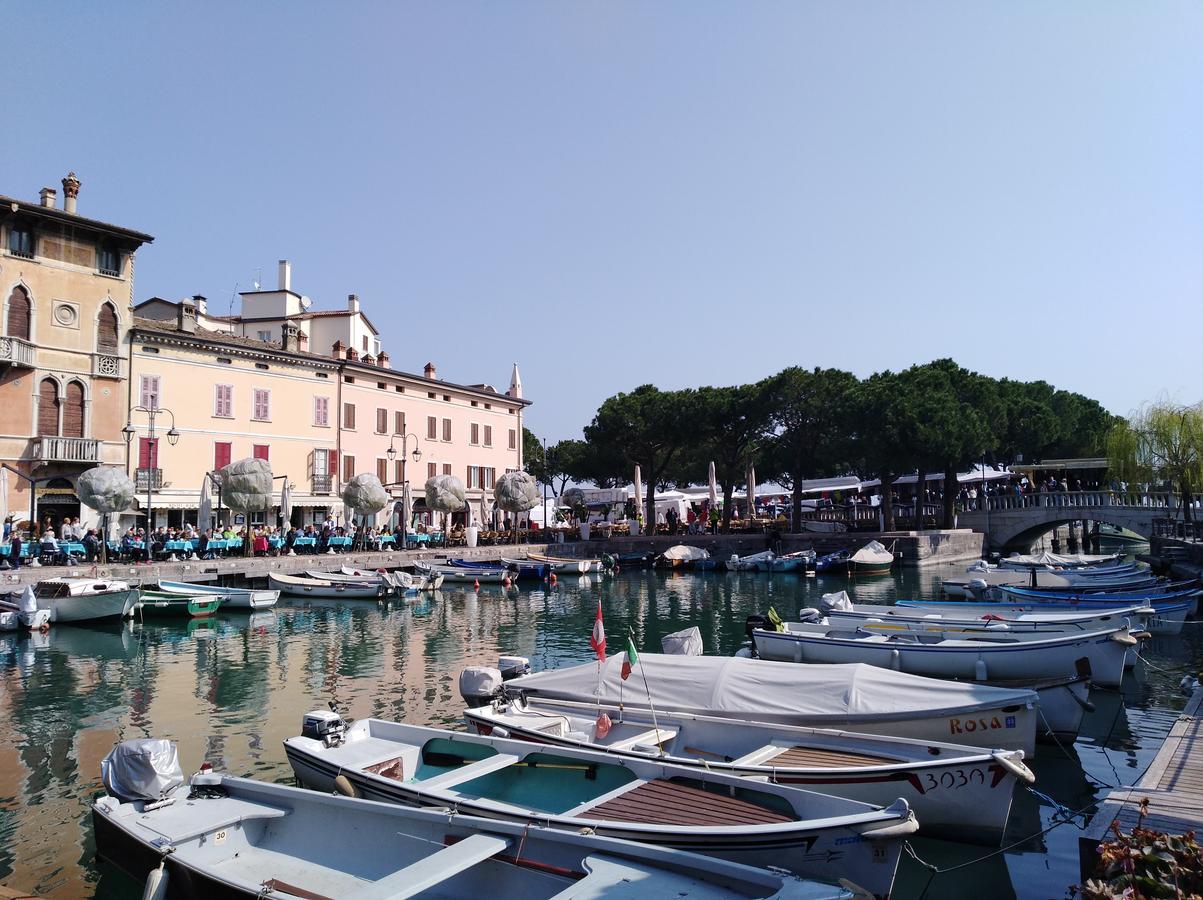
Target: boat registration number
[
  {"x": 952, "y": 779},
  {"x": 219, "y": 837}
]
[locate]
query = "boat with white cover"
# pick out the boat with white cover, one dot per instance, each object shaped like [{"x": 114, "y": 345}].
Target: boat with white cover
[
  {"x": 219, "y": 836},
  {"x": 236, "y": 598},
  {"x": 751, "y": 822},
  {"x": 978, "y": 655},
  {"x": 957, "y": 792},
  {"x": 872, "y": 559},
  {"x": 316, "y": 587},
  {"x": 858, "y": 698},
  {"x": 85, "y": 599},
  {"x": 403, "y": 581},
  {"x": 1153, "y": 618}
]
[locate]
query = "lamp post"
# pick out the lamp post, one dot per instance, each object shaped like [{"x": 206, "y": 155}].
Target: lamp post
[
  {"x": 173, "y": 438},
  {"x": 391, "y": 453}
]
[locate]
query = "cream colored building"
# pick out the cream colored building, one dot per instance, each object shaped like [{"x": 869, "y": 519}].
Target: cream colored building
[
  {"x": 229, "y": 398},
  {"x": 67, "y": 284}
]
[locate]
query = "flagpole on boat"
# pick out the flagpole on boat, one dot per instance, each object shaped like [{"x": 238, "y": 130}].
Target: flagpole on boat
[{"x": 647, "y": 688}]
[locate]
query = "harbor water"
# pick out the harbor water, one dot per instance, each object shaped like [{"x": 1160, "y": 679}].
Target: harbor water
[{"x": 230, "y": 690}]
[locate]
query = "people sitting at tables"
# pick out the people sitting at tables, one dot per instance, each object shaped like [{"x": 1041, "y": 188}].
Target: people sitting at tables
[
  {"x": 202, "y": 544},
  {"x": 91, "y": 545},
  {"x": 48, "y": 547},
  {"x": 260, "y": 545},
  {"x": 129, "y": 542}
]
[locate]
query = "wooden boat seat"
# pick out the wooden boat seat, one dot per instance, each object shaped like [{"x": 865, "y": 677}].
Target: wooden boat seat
[
  {"x": 662, "y": 802},
  {"x": 433, "y": 870},
  {"x": 817, "y": 758},
  {"x": 652, "y": 737}
]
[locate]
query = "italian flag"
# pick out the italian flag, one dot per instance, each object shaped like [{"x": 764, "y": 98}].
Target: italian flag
[
  {"x": 598, "y": 639},
  {"x": 631, "y": 659}
]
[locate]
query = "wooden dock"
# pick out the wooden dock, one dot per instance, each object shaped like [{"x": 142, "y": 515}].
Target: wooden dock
[{"x": 1173, "y": 786}]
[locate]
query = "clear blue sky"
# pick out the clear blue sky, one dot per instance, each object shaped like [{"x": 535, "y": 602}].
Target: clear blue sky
[{"x": 677, "y": 193}]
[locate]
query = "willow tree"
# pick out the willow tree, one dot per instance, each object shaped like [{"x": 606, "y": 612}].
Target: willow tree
[{"x": 1162, "y": 441}]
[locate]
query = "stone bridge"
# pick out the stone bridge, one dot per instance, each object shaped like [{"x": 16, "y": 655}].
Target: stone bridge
[{"x": 1014, "y": 519}]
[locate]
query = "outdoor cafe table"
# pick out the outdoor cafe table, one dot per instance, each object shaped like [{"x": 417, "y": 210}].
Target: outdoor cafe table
[{"x": 304, "y": 542}]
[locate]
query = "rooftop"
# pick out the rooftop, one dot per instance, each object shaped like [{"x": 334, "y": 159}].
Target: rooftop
[{"x": 10, "y": 206}]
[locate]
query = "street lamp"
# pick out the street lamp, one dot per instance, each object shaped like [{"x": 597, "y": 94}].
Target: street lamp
[
  {"x": 173, "y": 438},
  {"x": 391, "y": 453}
]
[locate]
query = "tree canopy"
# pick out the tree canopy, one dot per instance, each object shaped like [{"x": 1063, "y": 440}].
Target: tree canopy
[{"x": 1160, "y": 442}]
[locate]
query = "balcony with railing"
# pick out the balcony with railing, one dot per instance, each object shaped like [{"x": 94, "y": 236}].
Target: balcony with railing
[
  {"x": 16, "y": 352},
  {"x": 148, "y": 479},
  {"x": 65, "y": 449},
  {"x": 323, "y": 484}
]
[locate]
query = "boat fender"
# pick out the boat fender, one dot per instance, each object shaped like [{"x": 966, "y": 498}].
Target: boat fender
[
  {"x": 342, "y": 785},
  {"x": 1013, "y": 763},
  {"x": 552, "y": 577},
  {"x": 979, "y": 670},
  {"x": 895, "y": 660},
  {"x": 505, "y": 582},
  {"x": 156, "y": 884},
  {"x": 476, "y": 585},
  {"x": 1125, "y": 638}
]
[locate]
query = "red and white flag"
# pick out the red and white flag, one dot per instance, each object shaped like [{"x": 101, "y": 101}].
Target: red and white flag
[{"x": 598, "y": 639}]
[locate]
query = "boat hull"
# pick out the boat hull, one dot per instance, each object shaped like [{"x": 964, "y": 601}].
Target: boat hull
[
  {"x": 301, "y": 587},
  {"x": 236, "y": 598},
  {"x": 90, "y": 607},
  {"x": 1019, "y": 660}
]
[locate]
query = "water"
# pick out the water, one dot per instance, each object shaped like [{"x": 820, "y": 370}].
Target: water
[{"x": 232, "y": 689}]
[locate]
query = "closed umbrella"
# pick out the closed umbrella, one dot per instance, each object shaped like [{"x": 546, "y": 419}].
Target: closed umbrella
[
  {"x": 205, "y": 507},
  {"x": 407, "y": 505},
  {"x": 638, "y": 492},
  {"x": 484, "y": 509},
  {"x": 751, "y": 491},
  {"x": 3, "y": 497},
  {"x": 713, "y": 487},
  {"x": 286, "y": 504}
]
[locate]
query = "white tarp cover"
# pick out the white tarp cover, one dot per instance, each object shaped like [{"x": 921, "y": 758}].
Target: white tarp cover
[
  {"x": 873, "y": 552},
  {"x": 142, "y": 769},
  {"x": 685, "y": 553},
  {"x": 105, "y": 489},
  {"x": 516, "y": 492},
  {"x": 770, "y": 691},
  {"x": 246, "y": 485},
  {"x": 683, "y": 643},
  {"x": 366, "y": 495},
  {"x": 837, "y": 602},
  {"x": 445, "y": 493},
  {"x": 1058, "y": 559}
]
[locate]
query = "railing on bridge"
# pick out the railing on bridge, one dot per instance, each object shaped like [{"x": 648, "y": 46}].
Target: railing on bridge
[{"x": 1082, "y": 499}]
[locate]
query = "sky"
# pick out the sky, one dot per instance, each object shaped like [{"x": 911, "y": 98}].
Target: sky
[{"x": 680, "y": 193}]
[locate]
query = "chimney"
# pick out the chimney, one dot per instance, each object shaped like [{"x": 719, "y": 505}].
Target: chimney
[
  {"x": 202, "y": 305},
  {"x": 303, "y": 339},
  {"x": 368, "y": 360},
  {"x": 70, "y": 192},
  {"x": 352, "y": 356},
  {"x": 290, "y": 338},
  {"x": 338, "y": 349},
  {"x": 353, "y": 302},
  {"x": 186, "y": 317},
  {"x": 430, "y": 371},
  {"x": 382, "y": 360},
  {"x": 285, "y": 279},
  {"x": 49, "y": 197}
]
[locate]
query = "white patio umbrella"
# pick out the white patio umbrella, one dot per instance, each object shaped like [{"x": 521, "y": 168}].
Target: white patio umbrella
[
  {"x": 286, "y": 509},
  {"x": 638, "y": 492},
  {"x": 484, "y": 509},
  {"x": 407, "y": 501},
  {"x": 3, "y": 497},
  {"x": 713, "y": 487},
  {"x": 204, "y": 510},
  {"x": 751, "y": 491}
]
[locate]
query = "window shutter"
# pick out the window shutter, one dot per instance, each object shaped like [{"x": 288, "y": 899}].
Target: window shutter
[
  {"x": 382, "y": 470},
  {"x": 513, "y": 439},
  {"x": 398, "y": 471},
  {"x": 262, "y": 404},
  {"x": 432, "y": 427},
  {"x": 348, "y": 415},
  {"x": 221, "y": 454},
  {"x": 48, "y": 407},
  {"x": 475, "y": 434},
  {"x": 446, "y": 468},
  {"x": 73, "y": 410},
  {"x": 261, "y": 451},
  {"x": 382, "y": 421},
  {"x": 432, "y": 469},
  {"x": 321, "y": 411},
  {"x": 488, "y": 435},
  {"x": 150, "y": 391},
  {"x": 148, "y": 453},
  {"x": 348, "y": 468},
  {"x": 399, "y": 423},
  {"x": 106, "y": 330},
  {"x": 447, "y": 431},
  {"x": 332, "y": 463},
  {"x": 19, "y": 314}
]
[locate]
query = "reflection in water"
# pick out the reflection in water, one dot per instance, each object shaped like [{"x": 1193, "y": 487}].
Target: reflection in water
[{"x": 232, "y": 688}]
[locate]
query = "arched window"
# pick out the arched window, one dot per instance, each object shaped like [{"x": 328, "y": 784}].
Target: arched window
[
  {"x": 19, "y": 312},
  {"x": 106, "y": 329},
  {"x": 73, "y": 410},
  {"x": 48, "y": 408}
]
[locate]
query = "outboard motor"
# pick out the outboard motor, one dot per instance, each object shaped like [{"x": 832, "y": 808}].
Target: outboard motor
[
  {"x": 753, "y": 622},
  {"x": 480, "y": 685},
  {"x": 324, "y": 725},
  {"x": 513, "y": 666},
  {"x": 978, "y": 588},
  {"x": 142, "y": 769}
]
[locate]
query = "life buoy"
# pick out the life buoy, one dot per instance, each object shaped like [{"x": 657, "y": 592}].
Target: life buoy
[{"x": 342, "y": 785}]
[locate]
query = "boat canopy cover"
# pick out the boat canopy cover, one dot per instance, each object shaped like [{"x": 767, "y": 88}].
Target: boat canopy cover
[
  {"x": 873, "y": 552},
  {"x": 722, "y": 686},
  {"x": 142, "y": 769},
  {"x": 683, "y": 643},
  {"x": 1058, "y": 559},
  {"x": 688, "y": 554},
  {"x": 837, "y": 602}
]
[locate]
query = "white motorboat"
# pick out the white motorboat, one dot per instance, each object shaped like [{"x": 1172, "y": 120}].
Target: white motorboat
[
  {"x": 403, "y": 581},
  {"x": 1017, "y": 613},
  {"x": 85, "y": 599},
  {"x": 458, "y": 575},
  {"x": 853, "y": 697},
  {"x": 221, "y": 836},
  {"x": 749, "y": 563},
  {"x": 236, "y": 598},
  {"x": 978, "y": 655},
  {"x": 957, "y": 792},
  {"x": 561, "y": 565},
  {"x": 316, "y": 587},
  {"x": 755, "y": 823}
]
